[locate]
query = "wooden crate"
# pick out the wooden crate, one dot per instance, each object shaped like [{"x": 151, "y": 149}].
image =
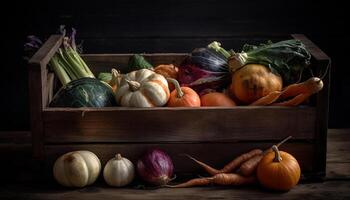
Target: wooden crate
[{"x": 214, "y": 135}]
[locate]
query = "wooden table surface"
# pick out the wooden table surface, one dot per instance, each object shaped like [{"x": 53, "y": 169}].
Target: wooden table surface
[{"x": 20, "y": 184}]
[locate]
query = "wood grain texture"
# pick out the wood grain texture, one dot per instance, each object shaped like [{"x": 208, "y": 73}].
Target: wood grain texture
[
  {"x": 36, "y": 106},
  {"x": 322, "y": 63},
  {"x": 45, "y": 53},
  {"x": 178, "y": 124},
  {"x": 215, "y": 154},
  {"x": 322, "y": 191}
]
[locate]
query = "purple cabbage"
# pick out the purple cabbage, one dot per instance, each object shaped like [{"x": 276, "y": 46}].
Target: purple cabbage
[{"x": 204, "y": 70}]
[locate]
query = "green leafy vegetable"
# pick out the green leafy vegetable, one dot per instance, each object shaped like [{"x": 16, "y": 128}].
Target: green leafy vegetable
[
  {"x": 287, "y": 58},
  {"x": 105, "y": 76},
  {"x": 67, "y": 63},
  {"x": 137, "y": 62}
]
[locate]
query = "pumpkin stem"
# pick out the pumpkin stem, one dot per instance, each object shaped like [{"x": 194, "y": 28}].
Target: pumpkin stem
[
  {"x": 133, "y": 85},
  {"x": 278, "y": 157},
  {"x": 116, "y": 76},
  {"x": 118, "y": 156},
  {"x": 283, "y": 141},
  {"x": 179, "y": 92}
]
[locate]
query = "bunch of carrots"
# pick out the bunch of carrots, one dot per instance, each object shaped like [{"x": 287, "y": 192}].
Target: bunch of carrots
[{"x": 240, "y": 171}]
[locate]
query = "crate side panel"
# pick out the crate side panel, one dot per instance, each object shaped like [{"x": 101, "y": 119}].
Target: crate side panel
[{"x": 179, "y": 125}]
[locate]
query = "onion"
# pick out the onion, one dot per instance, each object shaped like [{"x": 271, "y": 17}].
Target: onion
[
  {"x": 155, "y": 167},
  {"x": 204, "y": 69}
]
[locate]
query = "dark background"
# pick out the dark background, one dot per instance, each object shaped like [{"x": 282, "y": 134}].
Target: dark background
[{"x": 129, "y": 26}]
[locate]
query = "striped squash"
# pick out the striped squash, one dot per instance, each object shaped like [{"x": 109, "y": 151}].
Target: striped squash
[{"x": 143, "y": 88}]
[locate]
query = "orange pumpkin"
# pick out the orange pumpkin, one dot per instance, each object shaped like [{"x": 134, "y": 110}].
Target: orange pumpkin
[
  {"x": 278, "y": 170},
  {"x": 254, "y": 81},
  {"x": 216, "y": 99},
  {"x": 168, "y": 71},
  {"x": 183, "y": 96}
]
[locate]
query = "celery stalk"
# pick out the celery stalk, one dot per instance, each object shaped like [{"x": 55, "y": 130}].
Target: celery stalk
[{"x": 59, "y": 70}]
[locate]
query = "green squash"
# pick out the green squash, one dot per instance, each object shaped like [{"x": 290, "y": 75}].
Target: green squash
[
  {"x": 84, "y": 92},
  {"x": 137, "y": 62}
]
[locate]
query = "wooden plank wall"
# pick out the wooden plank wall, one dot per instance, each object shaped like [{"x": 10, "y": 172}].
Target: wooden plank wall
[{"x": 127, "y": 26}]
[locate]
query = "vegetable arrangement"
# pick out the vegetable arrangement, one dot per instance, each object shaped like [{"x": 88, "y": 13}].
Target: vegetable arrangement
[
  {"x": 79, "y": 88},
  {"x": 275, "y": 170},
  {"x": 265, "y": 75},
  {"x": 82, "y": 168},
  {"x": 259, "y": 75}
]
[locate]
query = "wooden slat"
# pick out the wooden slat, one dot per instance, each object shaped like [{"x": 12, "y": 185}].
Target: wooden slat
[
  {"x": 321, "y": 191},
  {"x": 36, "y": 106},
  {"x": 315, "y": 51},
  {"x": 178, "y": 124},
  {"x": 338, "y": 152},
  {"x": 37, "y": 90},
  {"x": 45, "y": 53},
  {"x": 323, "y": 64},
  {"x": 215, "y": 154}
]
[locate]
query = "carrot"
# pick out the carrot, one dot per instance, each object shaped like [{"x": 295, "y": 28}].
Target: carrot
[
  {"x": 206, "y": 167},
  {"x": 249, "y": 167},
  {"x": 218, "y": 179},
  {"x": 192, "y": 183},
  {"x": 294, "y": 101},
  {"x": 232, "y": 179},
  {"x": 300, "y": 92},
  {"x": 234, "y": 164},
  {"x": 310, "y": 87},
  {"x": 231, "y": 166},
  {"x": 267, "y": 100}
]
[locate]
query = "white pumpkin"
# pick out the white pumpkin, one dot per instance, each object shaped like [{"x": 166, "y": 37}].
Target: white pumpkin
[
  {"x": 119, "y": 171},
  {"x": 77, "y": 169},
  {"x": 143, "y": 88}
]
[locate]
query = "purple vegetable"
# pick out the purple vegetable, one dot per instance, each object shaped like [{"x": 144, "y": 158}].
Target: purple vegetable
[
  {"x": 204, "y": 70},
  {"x": 155, "y": 167}
]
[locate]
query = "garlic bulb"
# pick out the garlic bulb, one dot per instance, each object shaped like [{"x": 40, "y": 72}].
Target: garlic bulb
[{"x": 119, "y": 171}]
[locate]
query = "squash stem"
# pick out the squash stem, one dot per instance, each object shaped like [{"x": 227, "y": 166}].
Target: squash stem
[
  {"x": 278, "y": 157},
  {"x": 179, "y": 93},
  {"x": 115, "y": 81},
  {"x": 133, "y": 85},
  {"x": 118, "y": 156}
]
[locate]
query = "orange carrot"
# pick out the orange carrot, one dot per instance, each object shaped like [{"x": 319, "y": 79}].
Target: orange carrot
[
  {"x": 218, "y": 179},
  {"x": 310, "y": 86},
  {"x": 294, "y": 101},
  {"x": 234, "y": 164},
  {"x": 231, "y": 166},
  {"x": 249, "y": 167},
  {"x": 267, "y": 100},
  {"x": 307, "y": 88},
  {"x": 232, "y": 179},
  {"x": 192, "y": 183},
  {"x": 206, "y": 167}
]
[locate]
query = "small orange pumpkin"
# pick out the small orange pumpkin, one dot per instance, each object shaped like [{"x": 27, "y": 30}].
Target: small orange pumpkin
[
  {"x": 183, "y": 96},
  {"x": 278, "y": 170},
  {"x": 254, "y": 81},
  {"x": 168, "y": 71},
  {"x": 216, "y": 99}
]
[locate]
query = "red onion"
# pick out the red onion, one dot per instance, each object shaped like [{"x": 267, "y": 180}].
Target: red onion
[{"x": 155, "y": 167}]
